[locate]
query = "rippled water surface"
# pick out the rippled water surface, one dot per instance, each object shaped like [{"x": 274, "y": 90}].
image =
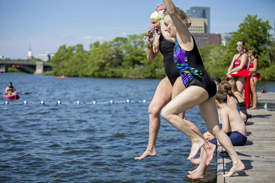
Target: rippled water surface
[{"x": 87, "y": 142}]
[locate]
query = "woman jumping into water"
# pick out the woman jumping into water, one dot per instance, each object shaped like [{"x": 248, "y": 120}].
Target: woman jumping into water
[{"x": 200, "y": 90}]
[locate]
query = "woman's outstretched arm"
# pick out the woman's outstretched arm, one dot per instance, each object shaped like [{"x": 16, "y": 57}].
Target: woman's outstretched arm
[{"x": 183, "y": 35}]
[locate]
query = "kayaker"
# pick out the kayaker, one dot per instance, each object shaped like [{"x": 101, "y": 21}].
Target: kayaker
[{"x": 10, "y": 90}]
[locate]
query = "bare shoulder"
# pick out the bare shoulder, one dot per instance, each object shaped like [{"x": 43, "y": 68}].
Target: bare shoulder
[
  {"x": 244, "y": 56},
  {"x": 238, "y": 94},
  {"x": 225, "y": 110},
  {"x": 232, "y": 100},
  {"x": 236, "y": 56}
]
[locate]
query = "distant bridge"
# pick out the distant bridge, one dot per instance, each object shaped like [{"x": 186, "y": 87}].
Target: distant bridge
[{"x": 32, "y": 67}]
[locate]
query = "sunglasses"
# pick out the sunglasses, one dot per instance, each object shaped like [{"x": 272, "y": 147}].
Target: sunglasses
[{"x": 239, "y": 45}]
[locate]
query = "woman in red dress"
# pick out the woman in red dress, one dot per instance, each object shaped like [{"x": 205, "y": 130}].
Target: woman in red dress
[{"x": 238, "y": 65}]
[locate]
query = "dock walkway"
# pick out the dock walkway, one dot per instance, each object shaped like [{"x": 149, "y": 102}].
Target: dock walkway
[{"x": 258, "y": 154}]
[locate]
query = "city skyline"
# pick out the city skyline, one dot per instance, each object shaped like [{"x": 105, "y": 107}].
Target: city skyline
[{"x": 46, "y": 25}]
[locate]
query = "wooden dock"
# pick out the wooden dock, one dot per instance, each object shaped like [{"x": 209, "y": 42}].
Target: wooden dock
[{"x": 258, "y": 154}]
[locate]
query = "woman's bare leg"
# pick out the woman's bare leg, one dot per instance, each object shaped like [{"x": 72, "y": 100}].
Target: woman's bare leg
[
  {"x": 210, "y": 116},
  {"x": 161, "y": 97},
  {"x": 198, "y": 173},
  {"x": 178, "y": 87},
  {"x": 196, "y": 161},
  {"x": 253, "y": 86},
  {"x": 187, "y": 99},
  {"x": 240, "y": 84}
]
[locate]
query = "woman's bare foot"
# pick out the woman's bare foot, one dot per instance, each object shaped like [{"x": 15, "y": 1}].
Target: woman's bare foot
[
  {"x": 195, "y": 176},
  {"x": 209, "y": 152},
  {"x": 196, "y": 161},
  {"x": 148, "y": 152},
  {"x": 193, "y": 171},
  {"x": 238, "y": 167},
  {"x": 196, "y": 146}
]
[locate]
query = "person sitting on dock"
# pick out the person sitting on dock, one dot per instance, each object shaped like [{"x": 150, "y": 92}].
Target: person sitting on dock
[
  {"x": 232, "y": 124},
  {"x": 10, "y": 90}
]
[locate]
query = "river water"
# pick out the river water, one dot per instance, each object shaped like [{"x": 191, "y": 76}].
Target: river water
[{"x": 92, "y": 136}]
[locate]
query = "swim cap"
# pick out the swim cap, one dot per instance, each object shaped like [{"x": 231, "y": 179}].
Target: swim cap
[{"x": 155, "y": 15}]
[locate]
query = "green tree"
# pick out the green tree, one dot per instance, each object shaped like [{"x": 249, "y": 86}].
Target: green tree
[
  {"x": 98, "y": 59},
  {"x": 60, "y": 58},
  {"x": 271, "y": 50},
  {"x": 135, "y": 54},
  {"x": 213, "y": 57}
]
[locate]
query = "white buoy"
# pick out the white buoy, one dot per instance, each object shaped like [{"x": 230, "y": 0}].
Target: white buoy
[
  {"x": 42, "y": 102},
  {"x": 25, "y": 102},
  {"x": 144, "y": 101},
  {"x": 111, "y": 102},
  {"x": 127, "y": 101},
  {"x": 6, "y": 102},
  {"x": 94, "y": 102},
  {"x": 58, "y": 102},
  {"x": 77, "y": 102}
]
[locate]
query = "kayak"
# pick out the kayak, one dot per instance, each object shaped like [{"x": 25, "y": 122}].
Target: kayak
[{"x": 14, "y": 96}]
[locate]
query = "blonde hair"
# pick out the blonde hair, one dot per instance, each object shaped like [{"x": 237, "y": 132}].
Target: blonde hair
[
  {"x": 184, "y": 17},
  {"x": 225, "y": 86}
]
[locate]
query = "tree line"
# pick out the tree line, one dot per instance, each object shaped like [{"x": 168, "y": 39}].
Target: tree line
[{"x": 125, "y": 57}]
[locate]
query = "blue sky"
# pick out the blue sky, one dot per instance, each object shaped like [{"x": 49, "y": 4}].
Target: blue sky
[{"x": 47, "y": 24}]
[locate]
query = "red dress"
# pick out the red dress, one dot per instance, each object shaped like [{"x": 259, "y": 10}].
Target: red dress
[{"x": 241, "y": 73}]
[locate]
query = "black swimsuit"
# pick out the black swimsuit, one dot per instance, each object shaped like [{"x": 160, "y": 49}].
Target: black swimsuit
[
  {"x": 167, "y": 50},
  {"x": 192, "y": 69}
]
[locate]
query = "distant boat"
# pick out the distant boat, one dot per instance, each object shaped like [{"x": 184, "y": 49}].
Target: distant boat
[
  {"x": 61, "y": 76},
  {"x": 13, "y": 96}
]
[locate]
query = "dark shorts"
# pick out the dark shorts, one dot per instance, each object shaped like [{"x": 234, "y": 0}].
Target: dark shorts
[{"x": 236, "y": 138}]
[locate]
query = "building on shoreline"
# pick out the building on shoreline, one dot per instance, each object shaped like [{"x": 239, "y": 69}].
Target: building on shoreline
[
  {"x": 200, "y": 17},
  {"x": 205, "y": 39},
  {"x": 226, "y": 38},
  {"x": 29, "y": 54},
  {"x": 46, "y": 56},
  {"x": 200, "y": 27}
]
